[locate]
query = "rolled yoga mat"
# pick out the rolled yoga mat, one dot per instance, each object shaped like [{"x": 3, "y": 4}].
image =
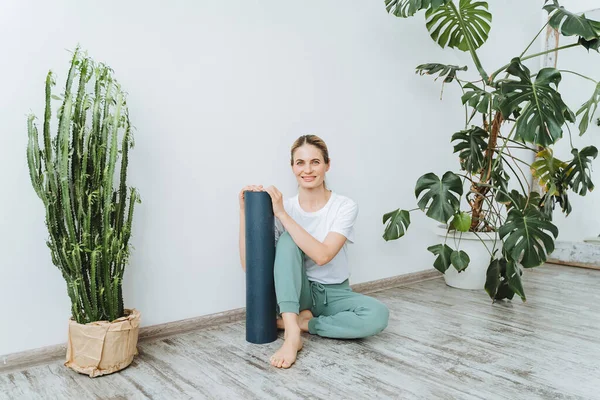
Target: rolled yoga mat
[{"x": 261, "y": 305}]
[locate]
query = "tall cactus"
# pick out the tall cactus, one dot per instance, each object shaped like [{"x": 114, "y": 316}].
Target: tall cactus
[{"x": 89, "y": 208}]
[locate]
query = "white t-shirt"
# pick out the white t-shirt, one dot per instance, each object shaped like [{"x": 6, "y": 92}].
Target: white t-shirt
[{"x": 338, "y": 215}]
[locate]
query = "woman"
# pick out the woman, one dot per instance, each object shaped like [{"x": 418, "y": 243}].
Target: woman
[{"x": 311, "y": 263}]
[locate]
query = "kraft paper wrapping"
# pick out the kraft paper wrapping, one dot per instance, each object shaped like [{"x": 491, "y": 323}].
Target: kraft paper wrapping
[{"x": 103, "y": 347}]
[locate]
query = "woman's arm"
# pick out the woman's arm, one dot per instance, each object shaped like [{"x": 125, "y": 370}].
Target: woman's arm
[{"x": 320, "y": 253}]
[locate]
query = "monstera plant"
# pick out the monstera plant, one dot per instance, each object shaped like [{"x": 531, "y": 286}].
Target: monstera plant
[{"x": 529, "y": 106}]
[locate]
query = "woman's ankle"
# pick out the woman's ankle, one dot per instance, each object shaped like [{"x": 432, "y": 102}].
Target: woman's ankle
[{"x": 290, "y": 323}]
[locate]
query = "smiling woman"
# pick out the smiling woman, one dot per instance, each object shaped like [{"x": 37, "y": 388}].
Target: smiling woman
[{"x": 311, "y": 269}]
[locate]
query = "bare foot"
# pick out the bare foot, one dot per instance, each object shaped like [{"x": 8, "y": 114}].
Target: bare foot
[
  {"x": 303, "y": 318},
  {"x": 286, "y": 355}
]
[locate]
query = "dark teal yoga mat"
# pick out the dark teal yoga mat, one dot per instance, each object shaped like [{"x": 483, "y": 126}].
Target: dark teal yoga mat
[{"x": 261, "y": 305}]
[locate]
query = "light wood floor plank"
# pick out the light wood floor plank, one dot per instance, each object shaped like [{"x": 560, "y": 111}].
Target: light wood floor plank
[{"x": 441, "y": 343}]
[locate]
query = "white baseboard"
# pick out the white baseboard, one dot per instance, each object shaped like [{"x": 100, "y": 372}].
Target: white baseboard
[{"x": 579, "y": 254}]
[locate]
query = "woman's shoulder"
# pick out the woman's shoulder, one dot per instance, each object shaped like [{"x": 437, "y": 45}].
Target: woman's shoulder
[{"x": 344, "y": 201}]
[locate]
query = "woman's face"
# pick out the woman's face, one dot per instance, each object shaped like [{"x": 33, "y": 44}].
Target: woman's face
[{"x": 309, "y": 166}]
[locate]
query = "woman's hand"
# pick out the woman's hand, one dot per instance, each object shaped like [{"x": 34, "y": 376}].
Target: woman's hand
[
  {"x": 250, "y": 188},
  {"x": 276, "y": 199}
]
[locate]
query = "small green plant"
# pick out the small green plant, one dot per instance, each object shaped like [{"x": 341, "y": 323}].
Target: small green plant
[
  {"x": 89, "y": 210},
  {"x": 536, "y": 113}
]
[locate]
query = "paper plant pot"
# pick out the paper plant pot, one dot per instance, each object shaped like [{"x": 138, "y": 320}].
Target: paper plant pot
[{"x": 103, "y": 347}]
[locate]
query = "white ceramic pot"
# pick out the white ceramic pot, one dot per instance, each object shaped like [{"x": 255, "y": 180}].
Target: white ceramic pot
[{"x": 473, "y": 277}]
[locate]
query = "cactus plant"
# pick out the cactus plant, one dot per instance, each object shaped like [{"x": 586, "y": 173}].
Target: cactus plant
[{"x": 89, "y": 210}]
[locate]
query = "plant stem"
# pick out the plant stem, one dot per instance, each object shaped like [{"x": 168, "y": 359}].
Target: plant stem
[
  {"x": 466, "y": 105},
  {"x": 471, "y": 82},
  {"x": 578, "y": 74},
  {"x": 514, "y": 141},
  {"x": 570, "y": 136},
  {"x": 513, "y": 157},
  {"x": 536, "y": 36},
  {"x": 550, "y": 51},
  {"x": 488, "y": 201},
  {"x": 517, "y": 175},
  {"x": 521, "y": 148},
  {"x": 491, "y": 79},
  {"x": 505, "y": 144},
  {"x": 486, "y": 174},
  {"x": 466, "y": 177},
  {"x": 498, "y": 189}
]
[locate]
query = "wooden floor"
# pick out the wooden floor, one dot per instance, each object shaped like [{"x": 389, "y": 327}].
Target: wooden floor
[{"x": 441, "y": 343}]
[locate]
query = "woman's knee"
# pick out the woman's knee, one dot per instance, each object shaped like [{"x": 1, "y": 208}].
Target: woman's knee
[
  {"x": 285, "y": 242},
  {"x": 382, "y": 315},
  {"x": 376, "y": 317},
  {"x": 288, "y": 255}
]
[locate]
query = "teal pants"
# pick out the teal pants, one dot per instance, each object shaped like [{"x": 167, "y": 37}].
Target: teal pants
[{"x": 339, "y": 312}]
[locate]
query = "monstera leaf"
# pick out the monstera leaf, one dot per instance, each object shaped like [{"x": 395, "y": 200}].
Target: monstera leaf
[
  {"x": 524, "y": 233},
  {"x": 462, "y": 222},
  {"x": 593, "y": 44},
  {"x": 548, "y": 201},
  {"x": 463, "y": 28},
  {"x": 589, "y": 109},
  {"x": 408, "y": 8},
  {"x": 552, "y": 176},
  {"x": 503, "y": 280},
  {"x": 478, "y": 98},
  {"x": 534, "y": 198},
  {"x": 460, "y": 260},
  {"x": 440, "y": 195},
  {"x": 472, "y": 145},
  {"x": 444, "y": 254},
  {"x": 513, "y": 278},
  {"x": 447, "y": 71},
  {"x": 517, "y": 200},
  {"x": 500, "y": 183},
  {"x": 399, "y": 221},
  {"x": 493, "y": 276},
  {"x": 544, "y": 112},
  {"x": 578, "y": 170},
  {"x": 546, "y": 167},
  {"x": 571, "y": 24}
]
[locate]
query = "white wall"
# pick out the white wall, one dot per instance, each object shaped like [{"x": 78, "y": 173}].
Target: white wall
[
  {"x": 579, "y": 6},
  {"x": 218, "y": 91}
]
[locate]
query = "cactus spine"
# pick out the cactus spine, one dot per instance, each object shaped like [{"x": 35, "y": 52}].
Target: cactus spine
[{"x": 74, "y": 176}]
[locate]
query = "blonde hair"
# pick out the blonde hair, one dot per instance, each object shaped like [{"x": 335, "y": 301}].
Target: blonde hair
[{"x": 313, "y": 140}]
